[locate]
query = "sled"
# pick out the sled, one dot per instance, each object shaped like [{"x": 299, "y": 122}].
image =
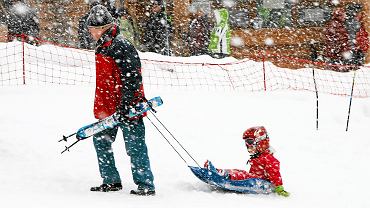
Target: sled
[{"x": 249, "y": 186}]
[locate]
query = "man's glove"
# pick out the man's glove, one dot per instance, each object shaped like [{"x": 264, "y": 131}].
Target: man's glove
[
  {"x": 279, "y": 190},
  {"x": 122, "y": 114}
]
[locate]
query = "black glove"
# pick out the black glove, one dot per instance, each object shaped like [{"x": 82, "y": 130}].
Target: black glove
[{"x": 122, "y": 114}]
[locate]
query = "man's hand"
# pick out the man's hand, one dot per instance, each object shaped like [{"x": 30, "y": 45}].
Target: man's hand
[{"x": 123, "y": 115}]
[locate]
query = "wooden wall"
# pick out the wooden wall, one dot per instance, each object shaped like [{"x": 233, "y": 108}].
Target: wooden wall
[
  {"x": 58, "y": 19},
  {"x": 288, "y": 42},
  {"x": 292, "y": 42}
]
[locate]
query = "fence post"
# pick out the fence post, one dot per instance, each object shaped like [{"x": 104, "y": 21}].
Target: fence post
[
  {"x": 264, "y": 70},
  {"x": 317, "y": 98},
  {"x": 23, "y": 62}
]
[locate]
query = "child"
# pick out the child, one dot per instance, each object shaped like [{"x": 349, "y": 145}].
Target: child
[{"x": 263, "y": 164}]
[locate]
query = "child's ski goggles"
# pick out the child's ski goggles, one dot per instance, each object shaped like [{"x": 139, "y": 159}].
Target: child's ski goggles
[
  {"x": 249, "y": 141},
  {"x": 253, "y": 141}
]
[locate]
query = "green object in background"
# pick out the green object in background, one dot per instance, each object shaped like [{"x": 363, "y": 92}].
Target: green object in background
[
  {"x": 220, "y": 37},
  {"x": 264, "y": 13},
  {"x": 127, "y": 30},
  {"x": 282, "y": 20}
]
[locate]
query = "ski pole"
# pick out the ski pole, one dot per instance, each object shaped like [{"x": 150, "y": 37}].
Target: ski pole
[
  {"x": 175, "y": 139},
  {"x": 68, "y": 147},
  {"x": 350, "y": 100},
  {"x": 66, "y": 137},
  {"x": 167, "y": 141}
]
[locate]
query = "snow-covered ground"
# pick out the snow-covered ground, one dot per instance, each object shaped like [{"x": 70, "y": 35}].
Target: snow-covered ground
[{"x": 324, "y": 168}]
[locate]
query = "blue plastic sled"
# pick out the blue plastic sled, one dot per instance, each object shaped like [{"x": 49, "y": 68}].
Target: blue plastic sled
[{"x": 249, "y": 186}]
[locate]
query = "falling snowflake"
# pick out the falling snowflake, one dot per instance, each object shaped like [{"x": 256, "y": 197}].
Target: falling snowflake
[
  {"x": 347, "y": 55},
  {"x": 335, "y": 2},
  {"x": 228, "y": 3},
  {"x": 269, "y": 41},
  {"x": 237, "y": 42},
  {"x": 20, "y": 9}
]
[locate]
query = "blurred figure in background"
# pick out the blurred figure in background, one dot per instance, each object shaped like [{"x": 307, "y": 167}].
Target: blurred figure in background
[
  {"x": 362, "y": 41},
  {"x": 2, "y": 14},
  {"x": 220, "y": 38},
  {"x": 84, "y": 36},
  {"x": 353, "y": 26},
  {"x": 156, "y": 34},
  {"x": 358, "y": 37},
  {"x": 199, "y": 32},
  {"x": 127, "y": 27},
  {"x": 22, "y": 20},
  {"x": 337, "y": 49}
]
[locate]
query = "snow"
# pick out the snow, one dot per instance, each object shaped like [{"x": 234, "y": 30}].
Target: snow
[
  {"x": 237, "y": 41},
  {"x": 20, "y": 9},
  {"x": 320, "y": 168},
  {"x": 269, "y": 41}
]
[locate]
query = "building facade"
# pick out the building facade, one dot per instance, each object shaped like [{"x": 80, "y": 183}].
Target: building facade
[{"x": 266, "y": 29}]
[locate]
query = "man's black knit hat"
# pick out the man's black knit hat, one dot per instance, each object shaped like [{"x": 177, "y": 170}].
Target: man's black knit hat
[
  {"x": 93, "y": 3},
  {"x": 99, "y": 16}
]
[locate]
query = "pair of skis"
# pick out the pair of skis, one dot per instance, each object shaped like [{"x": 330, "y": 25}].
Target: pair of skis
[{"x": 111, "y": 121}]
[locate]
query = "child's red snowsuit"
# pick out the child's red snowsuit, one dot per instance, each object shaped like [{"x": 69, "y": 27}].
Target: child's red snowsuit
[{"x": 265, "y": 166}]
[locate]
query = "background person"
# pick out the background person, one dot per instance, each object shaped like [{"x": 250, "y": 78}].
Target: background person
[
  {"x": 199, "y": 32},
  {"x": 220, "y": 38},
  {"x": 337, "y": 47},
  {"x": 362, "y": 41},
  {"x": 157, "y": 28},
  {"x": 22, "y": 20},
  {"x": 127, "y": 27}
]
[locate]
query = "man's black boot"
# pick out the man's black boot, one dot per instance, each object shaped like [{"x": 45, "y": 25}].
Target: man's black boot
[
  {"x": 143, "y": 192},
  {"x": 107, "y": 187}
]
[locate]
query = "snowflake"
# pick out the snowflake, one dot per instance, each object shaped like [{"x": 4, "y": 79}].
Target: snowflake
[
  {"x": 269, "y": 41},
  {"x": 21, "y": 9},
  {"x": 335, "y": 2},
  {"x": 347, "y": 55},
  {"x": 228, "y": 3},
  {"x": 237, "y": 42}
]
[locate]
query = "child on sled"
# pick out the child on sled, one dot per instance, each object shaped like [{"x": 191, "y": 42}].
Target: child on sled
[{"x": 263, "y": 164}]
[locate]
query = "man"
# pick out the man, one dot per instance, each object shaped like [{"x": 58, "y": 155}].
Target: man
[{"x": 118, "y": 87}]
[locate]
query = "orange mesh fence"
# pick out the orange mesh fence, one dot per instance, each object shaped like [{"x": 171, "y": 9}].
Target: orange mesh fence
[{"x": 48, "y": 63}]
